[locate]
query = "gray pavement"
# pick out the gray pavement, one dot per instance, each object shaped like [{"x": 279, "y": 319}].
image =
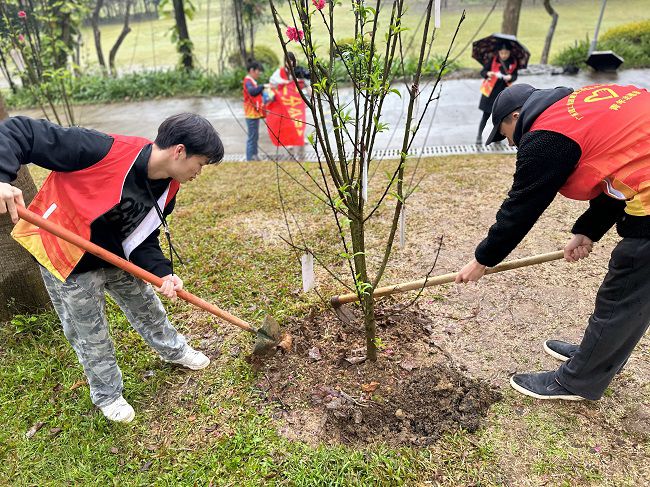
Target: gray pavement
[{"x": 452, "y": 121}]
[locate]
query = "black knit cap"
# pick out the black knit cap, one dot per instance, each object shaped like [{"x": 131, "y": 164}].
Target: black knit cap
[{"x": 505, "y": 103}]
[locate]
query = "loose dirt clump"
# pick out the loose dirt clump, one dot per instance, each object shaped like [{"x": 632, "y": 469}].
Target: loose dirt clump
[{"x": 326, "y": 391}]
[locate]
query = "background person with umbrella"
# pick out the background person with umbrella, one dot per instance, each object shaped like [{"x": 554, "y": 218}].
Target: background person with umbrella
[{"x": 502, "y": 56}]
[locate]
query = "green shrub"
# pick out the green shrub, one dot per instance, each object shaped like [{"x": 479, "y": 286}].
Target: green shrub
[
  {"x": 143, "y": 85},
  {"x": 263, "y": 54},
  {"x": 267, "y": 57},
  {"x": 630, "y": 41}
]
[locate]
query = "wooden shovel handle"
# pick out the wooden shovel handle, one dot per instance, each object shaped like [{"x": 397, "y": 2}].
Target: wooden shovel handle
[
  {"x": 127, "y": 266},
  {"x": 445, "y": 278}
]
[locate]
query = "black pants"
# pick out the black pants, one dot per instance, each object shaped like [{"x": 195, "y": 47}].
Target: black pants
[{"x": 620, "y": 318}]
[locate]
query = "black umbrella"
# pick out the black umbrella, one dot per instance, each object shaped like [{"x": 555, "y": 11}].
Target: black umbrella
[
  {"x": 485, "y": 49},
  {"x": 604, "y": 60}
]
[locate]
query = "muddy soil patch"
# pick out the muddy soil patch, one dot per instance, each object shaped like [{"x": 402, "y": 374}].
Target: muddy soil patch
[{"x": 325, "y": 390}]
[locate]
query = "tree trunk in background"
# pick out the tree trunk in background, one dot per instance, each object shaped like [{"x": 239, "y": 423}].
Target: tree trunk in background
[
  {"x": 125, "y": 31},
  {"x": 21, "y": 286},
  {"x": 240, "y": 30},
  {"x": 94, "y": 21},
  {"x": 551, "y": 30},
  {"x": 511, "y": 12},
  {"x": 184, "y": 43}
]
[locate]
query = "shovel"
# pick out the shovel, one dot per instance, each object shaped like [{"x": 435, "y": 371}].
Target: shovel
[
  {"x": 445, "y": 278},
  {"x": 268, "y": 337}
]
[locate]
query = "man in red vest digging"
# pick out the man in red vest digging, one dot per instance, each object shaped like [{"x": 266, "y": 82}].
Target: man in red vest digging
[
  {"x": 588, "y": 144},
  {"x": 115, "y": 191}
]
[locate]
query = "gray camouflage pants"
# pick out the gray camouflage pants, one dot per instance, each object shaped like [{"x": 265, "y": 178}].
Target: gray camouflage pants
[{"x": 81, "y": 305}]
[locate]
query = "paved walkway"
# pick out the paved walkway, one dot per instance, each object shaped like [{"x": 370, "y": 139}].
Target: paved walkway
[{"x": 449, "y": 126}]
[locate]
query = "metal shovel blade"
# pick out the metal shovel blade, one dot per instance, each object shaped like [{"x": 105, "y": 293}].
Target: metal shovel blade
[{"x": 267, "y": 337}]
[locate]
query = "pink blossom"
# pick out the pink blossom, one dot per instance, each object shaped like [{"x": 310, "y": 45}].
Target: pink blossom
[
  {"x": 21, "y": 38},
  {"x": 294, "y": 34},
  {"x": 319, "y": 4},
  {"x": 22, "y": 14}
]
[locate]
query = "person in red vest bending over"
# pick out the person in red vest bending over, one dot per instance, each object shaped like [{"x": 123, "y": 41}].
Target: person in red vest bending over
[
  {"x": 498, "y": 74},
  {"x": 253, "y": 107},
  {"x": 116, "y": 191},
  {"x": 590, "y": 144}
]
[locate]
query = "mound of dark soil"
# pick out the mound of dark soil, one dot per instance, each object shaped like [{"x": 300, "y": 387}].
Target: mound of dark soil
[{"x": 325, "y": 390}]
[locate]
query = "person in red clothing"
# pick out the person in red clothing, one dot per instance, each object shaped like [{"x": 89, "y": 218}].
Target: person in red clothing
[
  {"x": 253, "y": 107},
  {"x": 590, "y": 144},
  {"x": 115, "y": 190},
  {"x": 498, "y": 74}
]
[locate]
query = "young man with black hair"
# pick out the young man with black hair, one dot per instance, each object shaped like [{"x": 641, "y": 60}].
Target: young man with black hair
[
  {"x": 116, "y": 191},
  {"x": 589, "y": 144}
]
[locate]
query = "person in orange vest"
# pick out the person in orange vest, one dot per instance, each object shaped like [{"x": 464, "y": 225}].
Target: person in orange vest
[
  {"x": 116, "y": 191},
  {"x": 253, "y": 107},
  {"x": 589, "y": 144},
  {"x": 498, "y": 74}
]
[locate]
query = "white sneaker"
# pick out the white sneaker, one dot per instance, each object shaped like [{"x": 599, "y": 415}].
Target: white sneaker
[
  {"x": 119, "y": 411},
  {"x": 192, "y": 359}
]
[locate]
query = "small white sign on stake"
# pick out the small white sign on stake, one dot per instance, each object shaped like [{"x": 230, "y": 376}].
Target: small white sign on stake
[
  {"x": 436, "y": 21},
  {"x": 402, "y": 227},
  {"x": 308, "y": 277},
  {"x": 364, "y": 180}
]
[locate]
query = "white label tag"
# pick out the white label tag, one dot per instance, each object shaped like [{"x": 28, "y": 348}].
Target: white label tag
[
  {"x": 364, "y": 181},
  {"x": 402, "y": 227},
  {"x": 308, "y": 277}
]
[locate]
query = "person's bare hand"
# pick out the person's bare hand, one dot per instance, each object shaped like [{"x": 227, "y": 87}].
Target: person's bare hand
[
  {"x": 10, "y": 197},
  {"x": 578, "y": 248},
  {"x": 170, "y": 285},
  {"x": 471, "y": 272}
]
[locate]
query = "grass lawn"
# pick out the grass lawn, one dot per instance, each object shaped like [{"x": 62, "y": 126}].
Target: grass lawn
[
  {"x": 212, "y": 428},
  {"x": 149, "y": 44}
]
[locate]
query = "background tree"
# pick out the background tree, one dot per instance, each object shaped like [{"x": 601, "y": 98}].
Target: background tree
[
  {"x": 181, "y": 34},
  {"x": 345, "y": 129},
  {"x": 511, "y": 12},
  {"x": 551, "y": 31},
  {"x": 249, "y": 14},
  {"x": 21, "y": 286}
]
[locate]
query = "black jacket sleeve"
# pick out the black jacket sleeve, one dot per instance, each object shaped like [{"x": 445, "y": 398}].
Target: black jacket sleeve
[
  {"x": 602, "y": 214},
  {"x": 545, "y": 160},
  {"x": 24, "y": 140},
  {"x": 149, "y": 255}
]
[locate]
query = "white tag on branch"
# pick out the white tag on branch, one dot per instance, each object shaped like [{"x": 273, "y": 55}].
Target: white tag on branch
[
  {"x": 364, "y": 180},
  {"x": 436, "y": 22},
  {"x": 308, "y": 277},
  {"x": 402, "y": 227}
]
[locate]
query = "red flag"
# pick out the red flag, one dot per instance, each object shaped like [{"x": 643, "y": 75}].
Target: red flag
[{"x": 285, "y": 117}]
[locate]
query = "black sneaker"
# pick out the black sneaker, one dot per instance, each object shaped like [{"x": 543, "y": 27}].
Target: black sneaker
[
  {"x": 479, "y": 140},
  {"x": 560, "y": 350},
  {"x": 542, "y": 385}
]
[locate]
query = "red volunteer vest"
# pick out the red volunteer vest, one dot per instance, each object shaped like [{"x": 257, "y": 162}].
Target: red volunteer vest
[
  {"x": 253, "y": 105},
  {"x": 75, "y": 199},
  {"x": 611, "y": 123}
]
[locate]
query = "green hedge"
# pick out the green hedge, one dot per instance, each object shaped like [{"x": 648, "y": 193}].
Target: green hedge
[
  {"x": 630, "y": 41},
  {"x": 143, "y": 86},
  {"x": 146, "y": 85}
]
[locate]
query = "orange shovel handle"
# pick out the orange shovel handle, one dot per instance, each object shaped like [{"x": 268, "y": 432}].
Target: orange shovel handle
[{"x": 127, "y": 266}]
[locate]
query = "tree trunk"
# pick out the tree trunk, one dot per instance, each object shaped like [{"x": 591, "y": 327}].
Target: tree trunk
[
  {"x": 511, "y": 12},
  {"x": 551, "y": 30},
  {"x": 21, "y": 286},
  {"x": 367, "y": 301},
  {"x": 94, "y": 21},
  {"x": 240, "y": 29},
  {"x": 7, "y": 73},
  {"x": 184, "y": 43},
  {"x": 125, "y": 31}
]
